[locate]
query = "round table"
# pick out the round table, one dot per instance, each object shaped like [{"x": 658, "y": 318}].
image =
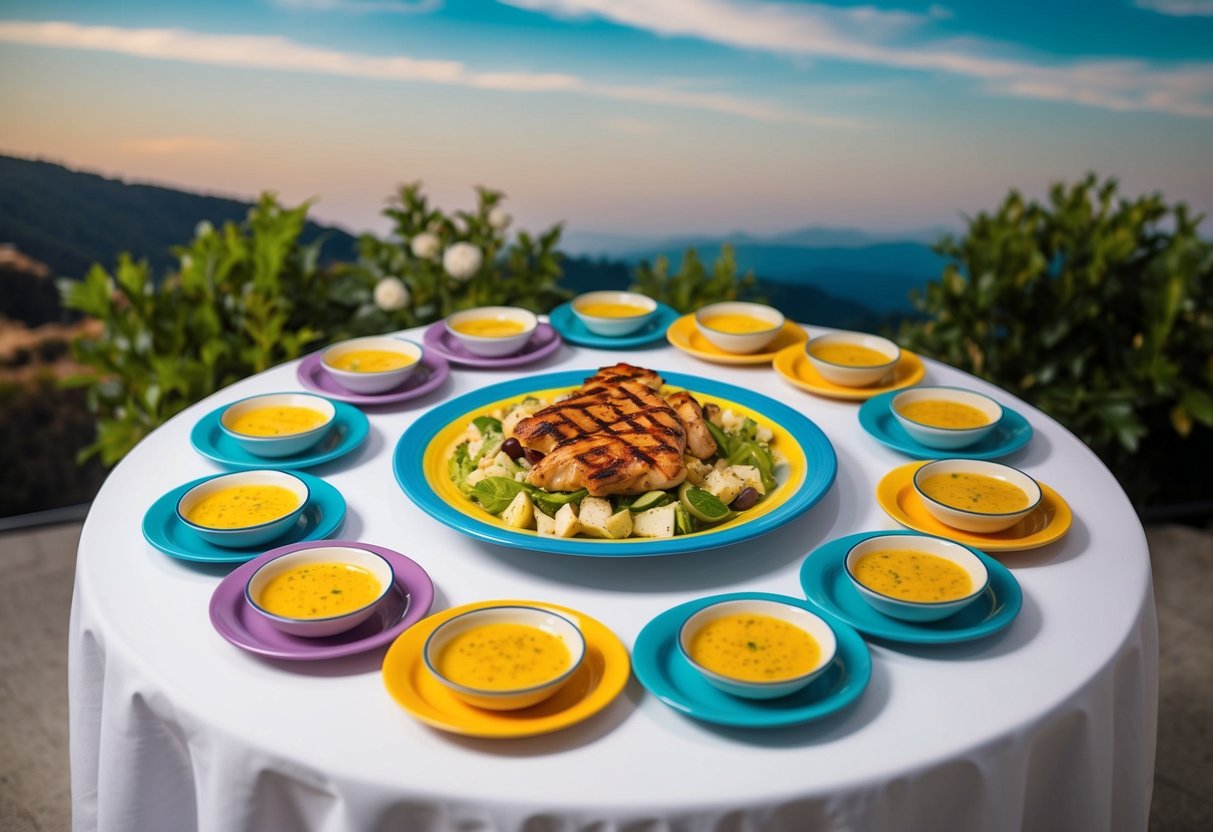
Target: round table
[{"x": 1049, "y": 724}]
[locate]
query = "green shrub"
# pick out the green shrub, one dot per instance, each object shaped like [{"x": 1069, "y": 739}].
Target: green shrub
[
  {"x": 1096, "y": 310},
  {"x": 691, "y": 286},
  {"x": 246, "y": 297},
  {"x": 418, "y": 253}
]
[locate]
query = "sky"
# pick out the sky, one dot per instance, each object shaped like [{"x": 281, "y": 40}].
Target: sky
[{"x": 634, "y": 117}]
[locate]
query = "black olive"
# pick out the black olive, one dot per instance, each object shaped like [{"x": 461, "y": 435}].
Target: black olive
[
  {"x": 512, "y": 447},
  {"x": 533, "y": 457},
  {"x": 745, "y": 500}
]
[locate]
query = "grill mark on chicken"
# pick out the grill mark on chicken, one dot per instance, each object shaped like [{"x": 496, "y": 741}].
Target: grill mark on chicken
[{"x": 616, "y": 435}]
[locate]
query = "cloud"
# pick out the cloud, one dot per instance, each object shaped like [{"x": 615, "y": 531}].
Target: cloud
[
  {"x": 1177, "y": 8},
  {"x": 276, "y": 53},
  {"x": 896, "y": 40},
  {"x": 175, "y": 145},
  {"x": 362, "y": 6}
]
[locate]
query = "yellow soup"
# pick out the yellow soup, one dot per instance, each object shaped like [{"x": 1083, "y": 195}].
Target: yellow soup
[
  {"x": 850, "y": 355},
  {"x": 975, "y": 492},
  {"x": 242, "y": 505},
  {"x": 912, "y": 575},
  {"x": 503, "y": 657},
  {"x": 371, "y": 361},
  {"x": 276, "y": 421},
  {"x": 754, "y": 648},
  {"x": 940, "y": 413},
  {"x": 737, "y": 324},
  {"x": 320, "y": 590},
  {"x": 489, "y": 327},
  {"x": 611, "y": 310}
]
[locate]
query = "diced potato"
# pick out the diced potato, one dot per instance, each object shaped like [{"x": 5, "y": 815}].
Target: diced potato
[
  {"x": 656, "y": 522},
  {"x": 723, "y": 485},
  {"x": 476, "y": 476},
  {"x": 545, "y": 524},
  {"x": 749, "y": 476},
  {"x": 474, "y": 445},
  {"x": 764, "y": 434},
  {"x": 731, "y": 421},
  {"x": 597, "y": 520},
  {"x": 520, "y": 476},
  {"x": 593, "y": 515},
  {"x": 619, "y": 525},
  {"x": 696, "y": 470},
  {"x": 567, "y": 524},
  {"x": 520, "y": 513}
]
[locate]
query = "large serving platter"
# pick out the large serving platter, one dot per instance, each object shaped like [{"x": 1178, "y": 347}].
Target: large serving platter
[{"x": 420, "y": 465}]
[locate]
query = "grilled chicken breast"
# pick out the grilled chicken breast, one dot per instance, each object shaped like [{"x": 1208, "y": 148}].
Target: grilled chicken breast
[{"x": 616, "y": 435}]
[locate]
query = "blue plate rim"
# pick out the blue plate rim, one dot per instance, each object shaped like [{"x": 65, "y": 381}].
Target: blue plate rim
[
  {"x": 324, "y": 496},
  {"x": 818, "y": 561},
  {"x": 408, "y": 455},
  {"x": 871, "y": 411},
  {"x": 344, "y": 414},
  {"x": 663, "y": 628},
  {"x": 573, "y": 330}
]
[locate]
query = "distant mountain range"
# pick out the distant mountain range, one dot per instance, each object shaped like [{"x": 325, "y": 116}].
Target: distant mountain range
[
  {"x": 69, "y": 219},
  {"x": 830, "y": 276}
]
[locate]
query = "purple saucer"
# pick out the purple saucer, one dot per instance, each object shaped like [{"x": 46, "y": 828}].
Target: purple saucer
[
  {"x": 407, "y": 602},
  {"x": 433, "y": 371},
  {"x": 544, "y": 342}
]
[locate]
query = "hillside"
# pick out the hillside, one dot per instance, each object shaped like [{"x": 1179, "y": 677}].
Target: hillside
[{"x": 69, "y": 219}]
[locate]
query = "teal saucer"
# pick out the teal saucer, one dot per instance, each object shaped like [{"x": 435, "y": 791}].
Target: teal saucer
[
  {"x": 665, "y": 672},
  {"x": 823, "y": 576},
  {"x": 350, "y": 428},
  {"x": 571, "y": 329},
  {"x": 876, "y": 417},
  {"x": 162, "y": 528}
]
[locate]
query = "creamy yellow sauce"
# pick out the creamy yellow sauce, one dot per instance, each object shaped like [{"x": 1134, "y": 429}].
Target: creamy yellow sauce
[
  {"x": 371, "y": 361},
  {"x": 276, "y": 421},
  {"x": 611, "y": 310},
  {"x": 975, "y": 492},
  {"x": 320, "y": 590},
  {"x": 736, "y": 324},
  {"x": 754, "y": 648},
  {"x": 941, "y": 413},
  {"x": 503, "y": 657},
  {"x": 489, "y": 327},
  {"x": 912, "y": 575},
  {"x": 242, "y": 505},
  {"x": 850, "y": 355}
]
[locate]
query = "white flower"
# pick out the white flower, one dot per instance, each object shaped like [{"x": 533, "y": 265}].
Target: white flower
[
  {"x": 391, "y": 294},
  {"x": 203, "y": 229},
  {"x": 499, "y": 218},
  {"x": 462, "y": 261},
  {"x": 425, "y": 246}
]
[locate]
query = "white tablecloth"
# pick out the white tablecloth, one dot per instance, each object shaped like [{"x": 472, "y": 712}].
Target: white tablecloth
[{"x": 1048, "y": 725}]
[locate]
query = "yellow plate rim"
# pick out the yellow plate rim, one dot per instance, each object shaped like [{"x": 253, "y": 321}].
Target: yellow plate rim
[
  {"x": 404, "y": 655},
  {"x": 789, "y": 365},
  {"x": 896, "y": 481},
  {"x": 683, "y": 330}
]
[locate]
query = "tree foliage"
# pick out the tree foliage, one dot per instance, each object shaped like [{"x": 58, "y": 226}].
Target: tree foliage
[
  {"x": 1097, "y": 310},
  {"x": 692, "y": 286}
]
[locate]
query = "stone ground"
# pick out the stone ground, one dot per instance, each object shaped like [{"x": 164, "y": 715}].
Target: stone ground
[{"x": 36, "y": 570}]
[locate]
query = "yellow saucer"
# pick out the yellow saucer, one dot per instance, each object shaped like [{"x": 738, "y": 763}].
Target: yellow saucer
[
  {"x": 602, "y": 675},
  {"x": 794, "y": 365},
  {"x": 897, "y": 496},
  {"x": 686, "y": 336}
]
